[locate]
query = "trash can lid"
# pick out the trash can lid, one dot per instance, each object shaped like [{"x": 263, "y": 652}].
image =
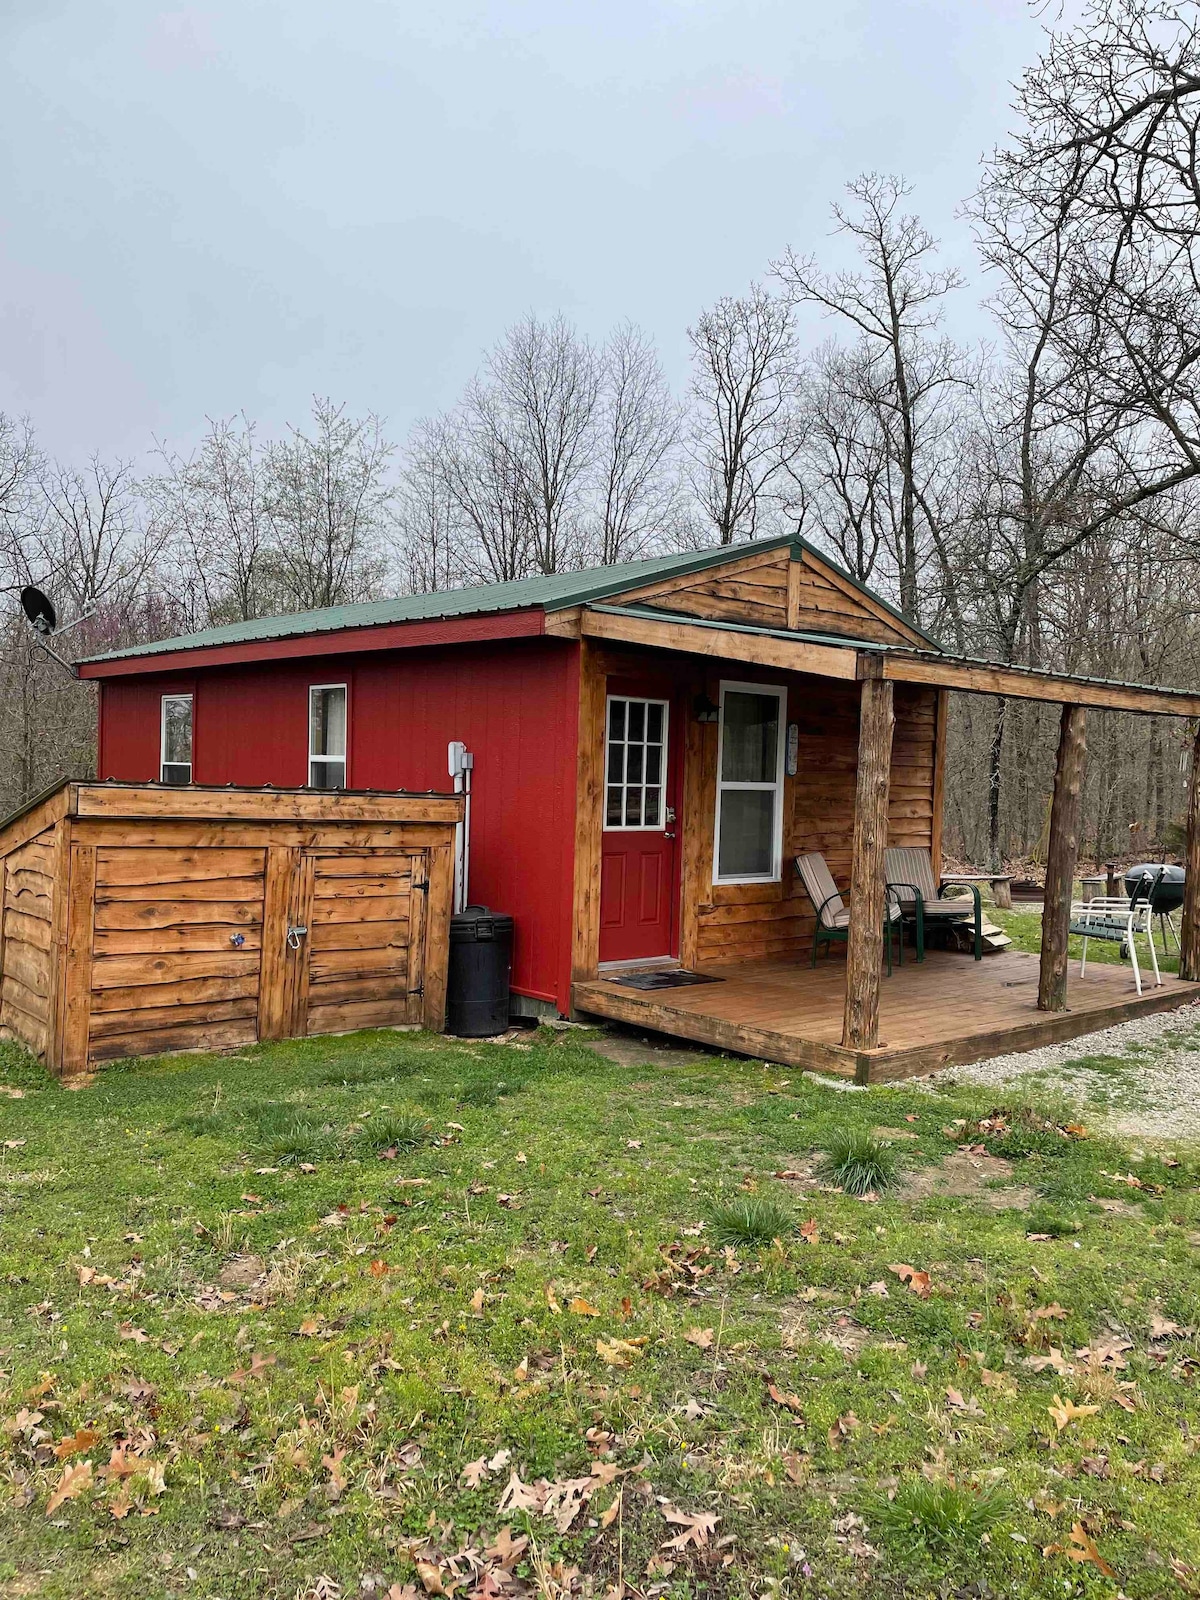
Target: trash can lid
[{"x": 479, "y": 922}]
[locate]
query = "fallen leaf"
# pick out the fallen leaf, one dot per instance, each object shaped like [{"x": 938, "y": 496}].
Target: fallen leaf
[
  {"x": 333, "y": 1465},
  {"x": 619, "y": 1352},
  {"x": 477, "y": 1300},
  {"x": 309, "y": 1328},
  {"x": 1164, "y": 1328},
  {"x": 810, "y": 1232},
  {"x": 582, "y": 1308},
  {"x": 842, "y": 1429},
  {"x": 76, "y": 1443},
  {"x": 702, "y": 1338},
  {"x": 696, "y": 1527},
  {"x": 1065, "y": 1412},
  {"x": 919, "y": 1282},
  {"x": 75, "y": 1479},
  {"x": 520, "y": 1496},
  {"x": 607, "y": 1518},
  {"x": 138, "y": 1335},
  {"x": 119, "y": 1505},
  {"x": 379, "y": 1269},
  {"x": 1083, "y": 1548},
  {"x": 783, "y": 1397}
]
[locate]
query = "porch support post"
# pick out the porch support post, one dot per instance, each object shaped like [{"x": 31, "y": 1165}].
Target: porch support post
[
  {"x": 864, "y": 945},
  {"x": 1189, "y": 938},
  {"x": 1061, "y": 857}
]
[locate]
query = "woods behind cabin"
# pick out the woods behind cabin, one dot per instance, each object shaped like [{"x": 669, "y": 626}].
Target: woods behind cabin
[{"x": 1032, "y": 498}]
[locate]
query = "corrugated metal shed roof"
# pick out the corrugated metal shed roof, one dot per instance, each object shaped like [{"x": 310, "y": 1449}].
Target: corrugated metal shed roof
[{"x": 552, "y": 592}]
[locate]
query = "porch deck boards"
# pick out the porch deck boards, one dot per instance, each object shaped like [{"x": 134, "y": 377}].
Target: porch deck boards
[{"x": 947, "y": 1010}]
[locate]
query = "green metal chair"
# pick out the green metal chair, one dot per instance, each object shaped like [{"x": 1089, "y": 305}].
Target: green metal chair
[
  {"x": 909, "y": 873},
  {"x": 833, "y": 916}
]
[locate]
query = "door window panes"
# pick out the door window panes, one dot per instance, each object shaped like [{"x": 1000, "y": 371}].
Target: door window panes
[{"x": 635, "y": 763}]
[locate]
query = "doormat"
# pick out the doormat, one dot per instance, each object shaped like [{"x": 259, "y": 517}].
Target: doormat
[{"x": 663, "y": 980}]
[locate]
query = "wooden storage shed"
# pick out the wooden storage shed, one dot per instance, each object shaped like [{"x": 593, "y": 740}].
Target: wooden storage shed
[{"x": 141, "y": 918}]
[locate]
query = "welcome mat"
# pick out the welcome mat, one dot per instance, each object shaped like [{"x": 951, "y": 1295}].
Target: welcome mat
[{"x": 662, "y": 980}]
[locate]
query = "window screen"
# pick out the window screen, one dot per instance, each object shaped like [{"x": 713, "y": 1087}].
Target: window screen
[{"x": 175, "y": 760}]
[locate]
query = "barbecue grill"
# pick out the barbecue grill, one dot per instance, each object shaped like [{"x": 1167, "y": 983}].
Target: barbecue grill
[{"x": 1166, "y": 896}]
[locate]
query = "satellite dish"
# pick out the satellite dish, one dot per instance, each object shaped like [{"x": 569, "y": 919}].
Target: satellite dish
[{"x": 38, "y": 608}]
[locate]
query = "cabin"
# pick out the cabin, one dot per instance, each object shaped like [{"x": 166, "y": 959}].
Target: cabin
[{"x": 650, "y": 746}]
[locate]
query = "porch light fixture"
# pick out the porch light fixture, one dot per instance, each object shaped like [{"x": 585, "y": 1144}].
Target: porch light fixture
[{"x": 704, "y": 710}]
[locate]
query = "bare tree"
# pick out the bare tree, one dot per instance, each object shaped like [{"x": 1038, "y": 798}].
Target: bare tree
[
  {"x": 638, "y": 426},
  {"x": 427, "y": 519},
  {"x": 215, "y": 503},
  {"x": 743, "y": 390},
  {"x": 895, "y": 305},
  {"x": 329, "y": 500}
]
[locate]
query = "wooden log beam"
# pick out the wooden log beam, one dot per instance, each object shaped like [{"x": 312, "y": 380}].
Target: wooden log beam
[
  {"x": 1189, "y": 938},
  {"x": 864, "y": 950},
  {"x": 1061, "y": 857}
]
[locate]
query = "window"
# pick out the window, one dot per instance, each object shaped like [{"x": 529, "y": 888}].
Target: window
[
  {"x": 175, "y": 749},
  {"x": 327, "y": 736},
  {"x": 636, "y": 764},
  {"x": 750, "y": 784}
]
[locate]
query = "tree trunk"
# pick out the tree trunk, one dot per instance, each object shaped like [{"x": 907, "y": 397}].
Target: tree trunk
[
  {"x": 995, "y": 760},
  {"x": 1189, "y": 939},
  {"x": 1061, "y": 857},
  {"x": 864, "y": 949}
]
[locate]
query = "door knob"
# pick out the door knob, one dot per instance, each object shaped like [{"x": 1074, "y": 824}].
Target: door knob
[{"x": 668, "y": 835}]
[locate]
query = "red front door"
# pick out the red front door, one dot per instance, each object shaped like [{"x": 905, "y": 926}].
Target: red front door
[{"x": 639, "y": 876}]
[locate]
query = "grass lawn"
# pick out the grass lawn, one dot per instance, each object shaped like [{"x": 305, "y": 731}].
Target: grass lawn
[{"x": 394, "y": 1315}]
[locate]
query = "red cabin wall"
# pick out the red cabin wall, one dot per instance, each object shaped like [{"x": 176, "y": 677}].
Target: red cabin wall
[{"x": 513, "y": 703}]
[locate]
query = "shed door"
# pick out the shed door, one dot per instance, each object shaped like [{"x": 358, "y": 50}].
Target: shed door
[{"x": 350, "y": 944}]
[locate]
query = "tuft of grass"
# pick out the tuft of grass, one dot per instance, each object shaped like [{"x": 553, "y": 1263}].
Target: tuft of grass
[
  {"x": 483, "y": 1092},
  {"x": 937, "y": 1519},
  {"x": 199, "y": 1123},
  {"x": 396, "y": 1130},
  {"x": 859, "y": 1163},
  {"x": 751, "y": 1219},
  {"x": 287, "y": 1134},
  {"x": 1044, "y": 1218}
]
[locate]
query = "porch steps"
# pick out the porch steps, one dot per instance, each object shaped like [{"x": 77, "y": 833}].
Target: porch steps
[{"x": 961, "y": 936}]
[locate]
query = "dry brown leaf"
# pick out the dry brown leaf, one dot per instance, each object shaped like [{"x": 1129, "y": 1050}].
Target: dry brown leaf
[
  {"x": 1083, "y": 1548},
  {"x": 1065, "y": 1412},
  {"x": 810, "y": 1232},
  {"x": 76, "y": 1477},
  {"x": 477, "y": 1300},
  {"x": 783, "y": 1397},
  {"x": 607, "y": 1518},
  {"x": 582, "y": 1308},
  {"x": 76, "y": 1443},
  {"x": 842, "y": 1429},
  {"x": 138, "y": 1335},
  {"x": 619, "y": 1352},
  {"x": 379, "y": 1269},
  {"x": 702, "y": 1338},
  {"x": 473, "y": 1474},
  {"x": 696, "y": 1527},
  {"x": 118, "y": 1506},
  {"x": 919, "y": 1282}
]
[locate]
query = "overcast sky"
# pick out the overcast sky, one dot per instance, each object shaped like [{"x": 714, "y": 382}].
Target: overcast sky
[{"x": 239, "y": 203}]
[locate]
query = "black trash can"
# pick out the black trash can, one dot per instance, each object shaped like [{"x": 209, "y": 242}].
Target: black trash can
[{"x": 480, "y": 970}]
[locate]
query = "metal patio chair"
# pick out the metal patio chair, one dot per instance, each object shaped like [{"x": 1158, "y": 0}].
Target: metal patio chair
[
  {"x": 1120, "y": 919},
  {"x": 833, "y": 915},
  {"x": 909, "y": 872}
]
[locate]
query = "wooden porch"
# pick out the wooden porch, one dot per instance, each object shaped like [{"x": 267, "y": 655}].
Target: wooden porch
[{"x": 944, "y": 1011}]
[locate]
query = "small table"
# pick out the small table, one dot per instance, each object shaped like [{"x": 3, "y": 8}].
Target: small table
[{"x": 1000, "y": 884}]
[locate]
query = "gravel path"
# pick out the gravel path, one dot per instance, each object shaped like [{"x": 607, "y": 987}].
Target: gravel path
[{"x": 1140, "y": 1079}]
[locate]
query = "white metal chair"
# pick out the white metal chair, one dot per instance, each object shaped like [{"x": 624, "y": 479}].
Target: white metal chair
[{"x": 1119, "y": 919}]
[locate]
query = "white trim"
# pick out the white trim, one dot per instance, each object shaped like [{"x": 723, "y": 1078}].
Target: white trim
[
  {"x": 344, "y": 759},
  {"x": 776, "y": 788},
  {"x": 643, "y": 700},
  {"x": 163, "y": 763}
]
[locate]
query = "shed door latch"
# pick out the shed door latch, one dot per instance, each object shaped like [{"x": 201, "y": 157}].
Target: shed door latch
[{"x": 294, "y": 935}]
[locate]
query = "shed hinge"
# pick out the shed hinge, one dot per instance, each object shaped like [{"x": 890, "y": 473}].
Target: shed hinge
[
  {"x": 423, "y": 884},
  {"x": 419, "y": 990}
]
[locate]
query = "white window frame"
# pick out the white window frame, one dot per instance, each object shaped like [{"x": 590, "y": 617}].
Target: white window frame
[
  {"x": 646, "y": 700},
  {"x": 775, "y": 787},
  {"x": 317, "y": 688},
  {"x": 163, "y": 763}
]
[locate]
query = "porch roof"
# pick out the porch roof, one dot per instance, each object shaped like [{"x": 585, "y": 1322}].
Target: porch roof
[{"x": 833, "y": 656}]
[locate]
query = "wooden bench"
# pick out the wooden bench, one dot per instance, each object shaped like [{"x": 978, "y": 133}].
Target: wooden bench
[{"x": 1000, "y": 884}]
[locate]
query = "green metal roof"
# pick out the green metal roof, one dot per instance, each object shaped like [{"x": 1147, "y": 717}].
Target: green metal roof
[{"x": 551, "y": 592}]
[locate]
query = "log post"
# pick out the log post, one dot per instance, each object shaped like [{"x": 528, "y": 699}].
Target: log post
[
  {"x": 1061, "y": 857},
  {"x": 864, "y": 946},
  {"x": 1189, "y": 937}
]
